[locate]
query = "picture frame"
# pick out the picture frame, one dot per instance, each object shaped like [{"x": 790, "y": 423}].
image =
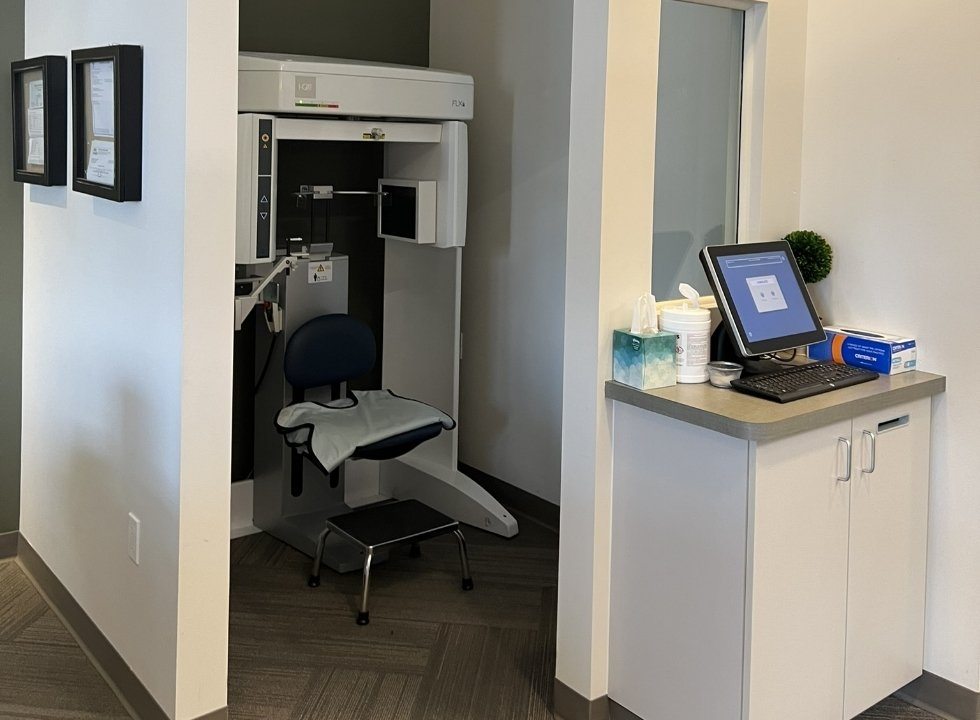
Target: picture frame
[
  {"x": 107, "y": 122},
  {"x": 39, "y": 104}
]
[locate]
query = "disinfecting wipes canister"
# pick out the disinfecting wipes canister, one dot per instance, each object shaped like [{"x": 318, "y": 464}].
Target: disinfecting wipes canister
[{"x": 692, "y": 325}]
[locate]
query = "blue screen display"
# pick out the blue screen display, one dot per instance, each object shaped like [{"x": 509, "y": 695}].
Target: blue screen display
[{"x": 766, "y": 295}]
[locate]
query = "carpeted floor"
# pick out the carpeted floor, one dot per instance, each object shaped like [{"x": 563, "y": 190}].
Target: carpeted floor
[
  {"x": 43, "y": 673},
  {"x": 431, "y": 652}
]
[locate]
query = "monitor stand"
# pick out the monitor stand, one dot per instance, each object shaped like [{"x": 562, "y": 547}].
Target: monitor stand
[
  {"x": 760, "y": 366},
  {"x": 722, "y": 348}
]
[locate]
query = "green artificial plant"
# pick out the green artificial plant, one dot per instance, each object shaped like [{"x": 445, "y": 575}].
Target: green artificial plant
[{"x": 813, "y": 254}]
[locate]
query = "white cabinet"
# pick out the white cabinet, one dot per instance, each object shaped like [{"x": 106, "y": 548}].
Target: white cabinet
[
  {"x": 886, "y": 567},
  {"x": 797, "y": 608},
  {"x": 815, "y": 559},
  {"x": 838, "y": 564}
]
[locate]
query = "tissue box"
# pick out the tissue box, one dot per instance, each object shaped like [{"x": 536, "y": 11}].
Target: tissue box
[
  {"x": 644, "y": 361},
  {"x": 886, "y": 354}
]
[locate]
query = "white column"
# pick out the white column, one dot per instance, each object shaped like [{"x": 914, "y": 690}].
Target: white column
[{"x": 608, "y": 264}]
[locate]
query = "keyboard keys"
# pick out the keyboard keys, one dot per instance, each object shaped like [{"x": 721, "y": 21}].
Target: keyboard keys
[{"x": 800, "y": 381}]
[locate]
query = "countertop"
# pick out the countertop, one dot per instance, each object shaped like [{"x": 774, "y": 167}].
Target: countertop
[{"x": 751, "y": 418}]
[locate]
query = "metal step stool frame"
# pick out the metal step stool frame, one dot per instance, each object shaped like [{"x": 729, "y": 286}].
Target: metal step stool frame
[{"x": 449, "y": 526}]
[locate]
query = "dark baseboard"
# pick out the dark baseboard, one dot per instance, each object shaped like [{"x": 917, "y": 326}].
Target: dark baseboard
[
  {"x": 513, "y": 498},
  {"x": 940, "y": 696},
  {"x": 929, "y": 692},
  {"x": 569, "y": 705},
  {"x": 8, "y": 544},
  {"x": 618, "y": 712},
  {"x": 132, "y": 693}
]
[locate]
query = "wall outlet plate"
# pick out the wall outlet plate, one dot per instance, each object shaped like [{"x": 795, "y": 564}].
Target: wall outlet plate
[{"x": 133, "y": 539}]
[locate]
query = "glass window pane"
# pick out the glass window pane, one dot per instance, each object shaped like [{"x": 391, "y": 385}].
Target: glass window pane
[{"x": 698, "y": 111}]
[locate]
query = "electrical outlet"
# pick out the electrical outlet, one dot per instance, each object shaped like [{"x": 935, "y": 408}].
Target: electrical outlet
[{"x": 133, "y": 538}]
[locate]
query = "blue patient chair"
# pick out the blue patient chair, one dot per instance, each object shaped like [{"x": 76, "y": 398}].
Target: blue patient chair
[{"x": 328, "y": 351}]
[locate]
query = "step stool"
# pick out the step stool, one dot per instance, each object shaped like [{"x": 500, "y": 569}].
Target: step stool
[{"x": 384, "y": 525}]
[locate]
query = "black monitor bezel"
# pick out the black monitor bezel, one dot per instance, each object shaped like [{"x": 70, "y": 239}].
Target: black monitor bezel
[{"x": 711, "y": 256}]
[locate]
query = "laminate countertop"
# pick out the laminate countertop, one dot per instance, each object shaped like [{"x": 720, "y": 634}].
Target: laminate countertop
[{"x": 751, "y": 418}]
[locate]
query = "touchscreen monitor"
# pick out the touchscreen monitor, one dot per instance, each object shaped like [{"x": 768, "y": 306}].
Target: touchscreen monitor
[{"x": 762, "y": 297}]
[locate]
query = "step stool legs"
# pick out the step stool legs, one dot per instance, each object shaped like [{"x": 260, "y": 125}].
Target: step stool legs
[
  {"x": 314, "y": 580},
  {"x": 363, "y": 617},
  {"x": 464, "y": 560}
]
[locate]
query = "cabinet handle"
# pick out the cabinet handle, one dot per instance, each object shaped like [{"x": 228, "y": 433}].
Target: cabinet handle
[
  {"x": 847, "y": 450},
  {"x": 874, "y": 452}
]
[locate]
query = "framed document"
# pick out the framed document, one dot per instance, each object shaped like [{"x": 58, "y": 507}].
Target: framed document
[
  {"x": 107, "y": 122},
  {"x": 40, "y": 117}
]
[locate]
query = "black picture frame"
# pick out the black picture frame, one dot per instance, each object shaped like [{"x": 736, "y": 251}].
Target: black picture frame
[
  {"x": 52, "y": 135},
  {"x": 108, "y": 141}
]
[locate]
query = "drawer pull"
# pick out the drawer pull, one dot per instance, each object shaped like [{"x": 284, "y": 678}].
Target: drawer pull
[
  {"x": 874, "y": 452},
  {"x": 893, "y": 424},
  {"x": 847, "y": 454}
]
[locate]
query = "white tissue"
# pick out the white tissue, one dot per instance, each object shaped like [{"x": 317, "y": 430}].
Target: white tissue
[{"x": 644, "y": 315}]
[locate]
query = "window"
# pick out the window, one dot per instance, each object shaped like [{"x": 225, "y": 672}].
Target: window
[{"x": 699, "y": 98}]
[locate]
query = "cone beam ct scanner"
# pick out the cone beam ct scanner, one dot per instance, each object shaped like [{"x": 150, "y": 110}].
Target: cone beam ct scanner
[{"x": 377, "y": 156}]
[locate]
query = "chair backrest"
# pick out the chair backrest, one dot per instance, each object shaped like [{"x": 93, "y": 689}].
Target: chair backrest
[{"x": 327, "y": 350}]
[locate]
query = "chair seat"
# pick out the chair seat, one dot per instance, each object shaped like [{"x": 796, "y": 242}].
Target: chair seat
[
  {"x": 399, "y": 444},
  {"x": 377, "y": 425}
]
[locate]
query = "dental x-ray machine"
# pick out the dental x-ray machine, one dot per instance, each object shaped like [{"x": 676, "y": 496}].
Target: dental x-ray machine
[{"x": 390, "y": 142}]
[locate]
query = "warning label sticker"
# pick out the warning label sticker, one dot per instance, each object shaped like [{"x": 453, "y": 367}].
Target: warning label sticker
[{"x": 320, "y": 271}]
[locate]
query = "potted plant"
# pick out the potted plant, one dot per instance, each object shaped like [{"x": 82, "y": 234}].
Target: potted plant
[{"x": 813, "y": 254}]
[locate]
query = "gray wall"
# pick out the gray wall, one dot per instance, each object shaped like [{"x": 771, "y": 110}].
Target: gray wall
[
  {"x": 395, "y": 31},
  {"x": 519, "y": 54},
  {"x": 11, "y": 277}
]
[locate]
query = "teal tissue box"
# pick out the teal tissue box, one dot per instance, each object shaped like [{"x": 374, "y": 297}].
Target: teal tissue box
[{"x": 644, "y": 361}]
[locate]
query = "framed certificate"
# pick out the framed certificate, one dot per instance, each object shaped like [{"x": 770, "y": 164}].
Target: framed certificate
[
  {"x": 107, "y": 122},
  {"x": 39, "y": 96}
]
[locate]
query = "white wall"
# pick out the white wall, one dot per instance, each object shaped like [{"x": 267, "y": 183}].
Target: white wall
[
  {"x": 891, "y": 176},
  {"x": 127, "y": 355},
  {"x": 611, "y": 160},
  {"x": 519, "y": 54}
]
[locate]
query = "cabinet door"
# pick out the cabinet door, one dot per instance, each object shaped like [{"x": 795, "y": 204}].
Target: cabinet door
[
  {"x": 798, "y": 589},
  {"x": 887, "y": 553}
]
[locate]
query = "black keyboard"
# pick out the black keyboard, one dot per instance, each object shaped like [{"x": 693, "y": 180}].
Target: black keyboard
[{"x": 800, "y": 381}]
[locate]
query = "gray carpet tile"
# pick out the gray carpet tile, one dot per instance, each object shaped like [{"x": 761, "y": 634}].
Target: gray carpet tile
[
  {"x": 44, "y": 675},
  {"x": 431, "y": 652},
  {"x": 894, "y": 709}
]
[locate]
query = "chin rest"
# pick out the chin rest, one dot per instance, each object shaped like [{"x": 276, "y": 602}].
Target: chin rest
[{"x": 374, "y": 425}]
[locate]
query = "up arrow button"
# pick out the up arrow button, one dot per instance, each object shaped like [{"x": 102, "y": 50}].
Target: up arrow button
[{"x": 263, "y": 200}]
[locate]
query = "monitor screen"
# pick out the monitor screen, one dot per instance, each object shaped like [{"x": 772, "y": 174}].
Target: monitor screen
[{"x": 762, "y": 297}]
